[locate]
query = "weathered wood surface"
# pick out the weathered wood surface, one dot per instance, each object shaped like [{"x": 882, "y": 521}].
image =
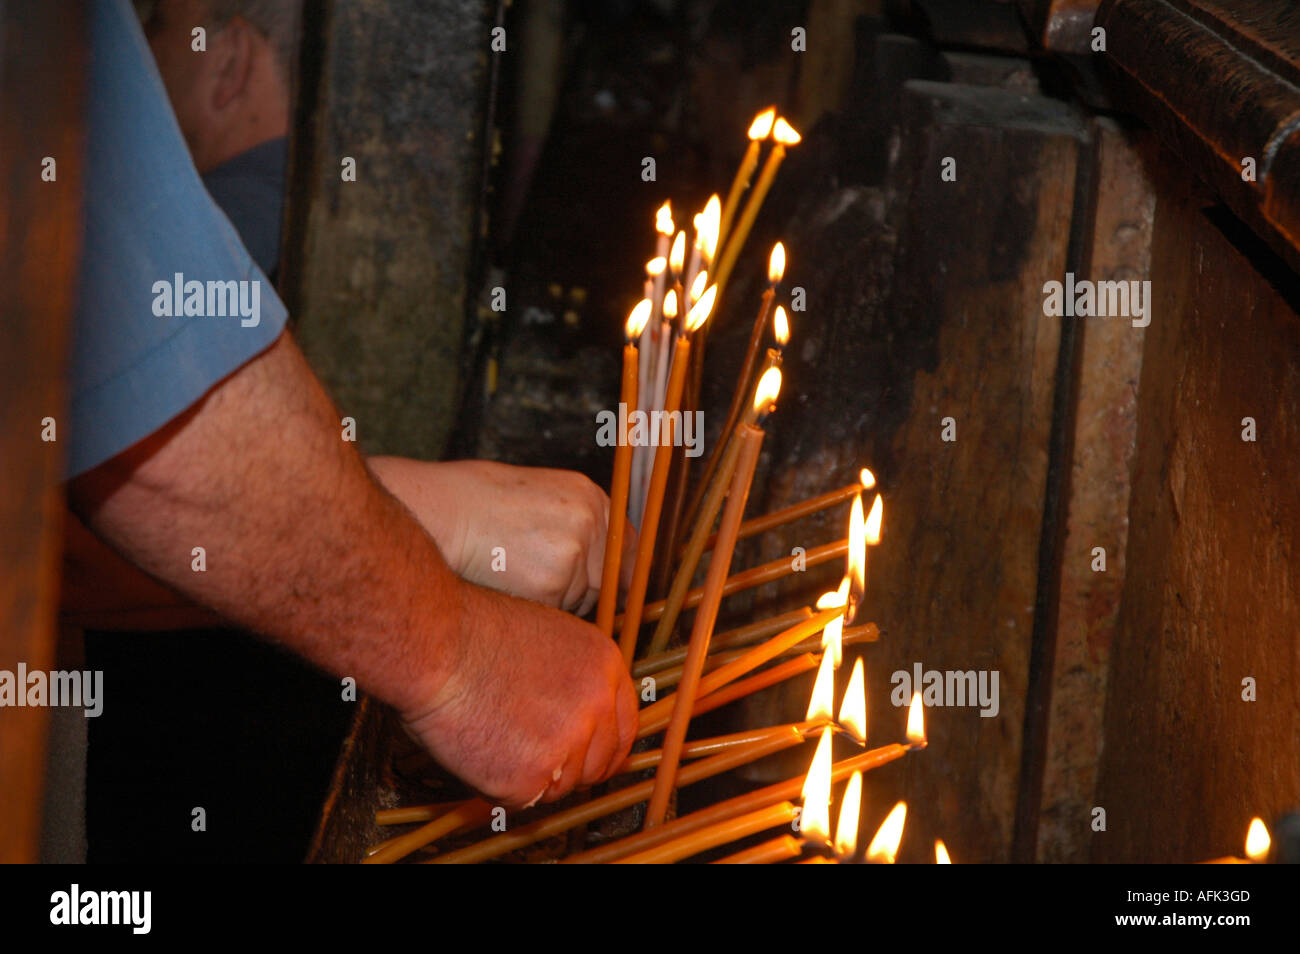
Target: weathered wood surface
[
  {"x": 1220, "y": 81},
  {"x": 41, "y": 114},
  {"x": 1210, "y": 597},
  {"x": 376, "y": 270},
  {"x": 1116, "y": 248}
]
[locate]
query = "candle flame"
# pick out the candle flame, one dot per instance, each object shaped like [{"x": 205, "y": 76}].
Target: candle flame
[
  {"x": 853, "y": 710},
  {"x": 707, "y": 224},
  {"x": 699, "y": 312},
  {"x": 761, "y": 127},
  {"x": 784, "y": 133},
  {"x": 822, "y": 703},
  {"x": 868, "y": 479},
  {"x": 678, "y": 254},
  {"x": 769, "y": 387},
  {"x": 655, "y": 267},
  {"x": 831, "y": 598},
  {"x": 874, "y": 520},
  {"x": 884, "y": 847},
  {"x": 698, "y": 286},
  {"x": 846, "y": 830},
  {"x": 916, "y": 722},
  {"x": 833, "y": 641},
  {"x": 664, "y": 219},
  {"x": 670, "y": 304},
  {"x": 776, "y": 264},
  {"x": 941, "y": 853},
  {"x": 1257, "y": 840},
  {"x": 781, "y": 326},
  {"x": 636, "y": 321},
  {"x": 856, "y": 571},
  {"x": 815, "y": 820}
]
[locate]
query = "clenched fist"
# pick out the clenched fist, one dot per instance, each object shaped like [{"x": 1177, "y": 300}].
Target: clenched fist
[
  {"x": 535, "y": 702},
  {"x": 549, "y": 525}
]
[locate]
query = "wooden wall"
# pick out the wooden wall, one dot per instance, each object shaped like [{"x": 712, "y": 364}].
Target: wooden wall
[{"x": 1211, "y": 594}]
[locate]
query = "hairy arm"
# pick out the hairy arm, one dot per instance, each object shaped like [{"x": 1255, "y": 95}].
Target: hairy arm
[{"x": 302, "y": 545}]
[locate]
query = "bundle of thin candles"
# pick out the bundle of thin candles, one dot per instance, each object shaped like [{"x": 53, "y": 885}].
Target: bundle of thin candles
[{"x": 710, "y": 671}]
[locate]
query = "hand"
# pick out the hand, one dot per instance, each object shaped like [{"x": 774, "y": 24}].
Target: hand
[
  {"x": 549, "y": 524},
  {"x": 536, "y": 702}
]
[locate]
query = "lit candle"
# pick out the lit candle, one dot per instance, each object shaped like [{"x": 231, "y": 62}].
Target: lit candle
[
  {"x": 652, "y": 342},
  {"x": 664, "y": 229},
  {"x": 884, "y": 847},
  {"x": 705, "y": 245},
  {"x": 677, "y": 262},
  {"x": 857, "y": 555},
  {"x": 821, "y": 704},
  {"x": 941, "y": 853},
  {"x": 618, "y": 490},
  {"x": 740, "y": 394},
  {"x": 658, "y": 481},
  {"x": 916, "y": 723},
  {"x": 1258, "y": 844},
  {"x": 751, "y": 442},
  {"x": 846, "y": 829},
  {"x": 853, "y": 710},
  {"x": 804, "y": 508},
  {"x": 658, "y": 385},
  {"x": 833, "y": 634},
  {"x": 781, "y": 332},
  {"x": 703, "y": 523},
  {"x": 815, "y": 822},
  {"x": 730, "y": 808},
  {"x": 784, "y": 136},
  {"x": 759, "y": 130}
]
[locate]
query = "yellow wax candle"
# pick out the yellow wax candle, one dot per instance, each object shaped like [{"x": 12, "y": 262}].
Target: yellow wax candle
[
  {"x": 784, "y": 136},
  {"x": 618, "y": 490}
]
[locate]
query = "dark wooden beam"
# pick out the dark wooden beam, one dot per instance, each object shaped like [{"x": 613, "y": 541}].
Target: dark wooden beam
[
  {"x": 1219, "y": 80},
  {"x": 41, "y": 114}
]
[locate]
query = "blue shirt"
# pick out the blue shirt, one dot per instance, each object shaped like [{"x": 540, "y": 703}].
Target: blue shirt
[
  {"x": 167, "y": 306},
  {"x": 249, "y": 188}
]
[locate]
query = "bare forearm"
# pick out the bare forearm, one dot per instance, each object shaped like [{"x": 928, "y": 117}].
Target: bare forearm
[{"x": 298, "y": 541}]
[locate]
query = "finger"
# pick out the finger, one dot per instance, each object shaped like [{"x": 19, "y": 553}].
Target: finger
[
  {"x": 588, "y": 603},
  {"x": 576, "y": 593}
]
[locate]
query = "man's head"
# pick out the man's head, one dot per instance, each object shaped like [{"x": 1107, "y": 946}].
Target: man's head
[{"x": 234, "y": 94}]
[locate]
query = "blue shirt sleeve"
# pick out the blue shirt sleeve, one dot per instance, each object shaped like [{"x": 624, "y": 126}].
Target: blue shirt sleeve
[{"x": 170, "y": 302}]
